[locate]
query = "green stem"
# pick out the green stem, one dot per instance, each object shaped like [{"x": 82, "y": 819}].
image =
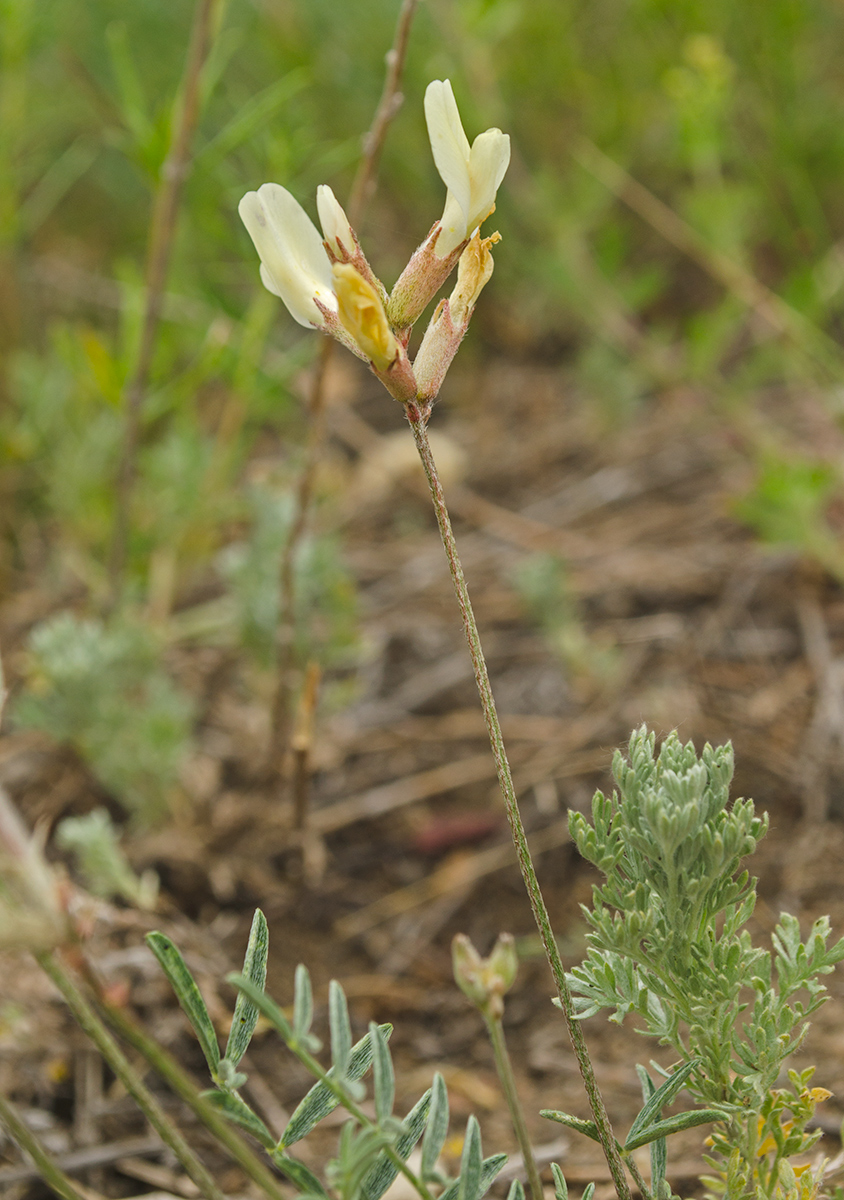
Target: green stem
[
  {"x": 50, "y": 1172},
  {"x": 91, "y": 1025},
  {"x": 183, "y": 1086},
  {"x": 333, "y": 1085},
  {"x": 637, "y": 1177},
  {"x": 418, "y": 421},
  {"x": 504, "y": 1067}
]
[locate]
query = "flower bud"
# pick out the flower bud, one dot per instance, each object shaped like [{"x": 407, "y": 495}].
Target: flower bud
[
  {"x": 421, "y": 279},
  {"x": 473, "y": 274},
  {"x": 451, "y": 318},
  {"x": 336, "y": 230},
  {"x": 485, "y": 981},
  {"x": 362, "y": 315}
]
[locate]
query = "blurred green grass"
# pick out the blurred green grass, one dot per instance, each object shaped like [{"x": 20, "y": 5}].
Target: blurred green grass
[{"x": 730, "y": 113}]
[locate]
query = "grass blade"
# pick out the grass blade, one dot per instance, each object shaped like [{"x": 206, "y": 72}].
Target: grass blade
[
  {"x": 320, "y": 1100},
  {"x": 255, "y": 969},
  {"x": 301, "y": 1175},
  {"x": 383, "y": 1076},
  {"x": 686, "y": 1120},
  {"x": 303, "y": 1003},
  {"x": 660, "y": 1099},
  {"x": 436, "y": 1131},
  {"x": 383, "y": 1172},
  {"x": 470, "y": 1162},
  {"x": 585, "y": 1127},
  {"x": 659, "y": 1148},
  {"x": 341, "y": 1030},
  {"x": 489, "y": 1169},
  {"x": 188, "y": 995},
  {"x": 238, "y": 1111}
]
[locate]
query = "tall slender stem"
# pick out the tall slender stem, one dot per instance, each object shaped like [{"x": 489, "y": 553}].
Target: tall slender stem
[
  {"x": 418, "y": 423},
  {"x": 183, "y": 1086},
  {"x": 159, "y": 252},
  {"x": 50, "y": 1171},
  {"x": 504, "y": 1067},
  {"x": 93, "y": 1027},
  {"x": 362, "y": 187}
]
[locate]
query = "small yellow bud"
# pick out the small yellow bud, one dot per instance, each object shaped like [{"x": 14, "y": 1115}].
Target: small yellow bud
[
  {"x": 473, "y": 274},
  {"x": 362, "y": 315}
]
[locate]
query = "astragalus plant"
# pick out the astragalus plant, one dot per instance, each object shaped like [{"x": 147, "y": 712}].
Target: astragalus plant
[
  {"x": 668, "y": 942},
  {"x": 668, "y": 938}
]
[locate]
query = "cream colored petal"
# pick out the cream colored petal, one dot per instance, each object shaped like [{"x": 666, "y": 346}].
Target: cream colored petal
[
  {"x": 335, "y": 224},
  {"x": 488, "y": 163},
  {"x": 453, "y": 227},
  {"x": 291, "y": 252},
  {"x": 268, "y": 281},
  {"x": 449, "y": 143}
]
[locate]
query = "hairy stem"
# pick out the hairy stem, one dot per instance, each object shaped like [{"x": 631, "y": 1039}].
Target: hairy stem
[
  {"x": 162, "y": 234},
  {"x": 50, "y": 1171},
  {"x": 281, "y": 720},
  {"x": 93, "y": 1027},
  {"x": 637, "y": 1177},
  {"x": 181, "y": 1083},
  {"x": 418, "y": 423},
  {"x": 504, "y": 1067}
]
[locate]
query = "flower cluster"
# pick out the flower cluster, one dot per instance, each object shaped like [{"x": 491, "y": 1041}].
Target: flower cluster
[{"x": 326, "y": 282}]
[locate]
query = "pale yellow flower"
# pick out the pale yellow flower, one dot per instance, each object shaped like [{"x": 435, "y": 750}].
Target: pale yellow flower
[
  {"x": 362, "y": 315},
  {"x": 472, "y": 174},
  {"x": 294, "y": 265}
]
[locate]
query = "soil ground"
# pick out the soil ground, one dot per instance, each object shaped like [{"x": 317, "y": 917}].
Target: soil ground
[{"x": 682, "y": 621}]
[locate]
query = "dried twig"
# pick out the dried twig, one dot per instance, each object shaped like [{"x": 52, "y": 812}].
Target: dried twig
[
  {"x": 89, "y": 1156},
  {"x": 780, "y": 316},
  {"x": 303, "y": 737},
  {"x": 400, "y": 792},
  {"x": 362, "y": 189},
  {"x": 159, "y": 252}
]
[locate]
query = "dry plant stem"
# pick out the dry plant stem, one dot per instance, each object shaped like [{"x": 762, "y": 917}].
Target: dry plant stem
[
  {"x": 49, "y": 1171},
  {"x": 362, "y": 188},
  {"x": 388, "y": 106},
  {"x": 281, "y": 716},
  {"x": 811, "y": 341},
  {"x": 418, "y": 423},
  {"x": 504, "y": 1067},
  {"x": 93, "y": 1027},
  {"x": 161, "y": 238},
  {"x": 183, "y": 1086},
  {"x": 303, "y": 738}
]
